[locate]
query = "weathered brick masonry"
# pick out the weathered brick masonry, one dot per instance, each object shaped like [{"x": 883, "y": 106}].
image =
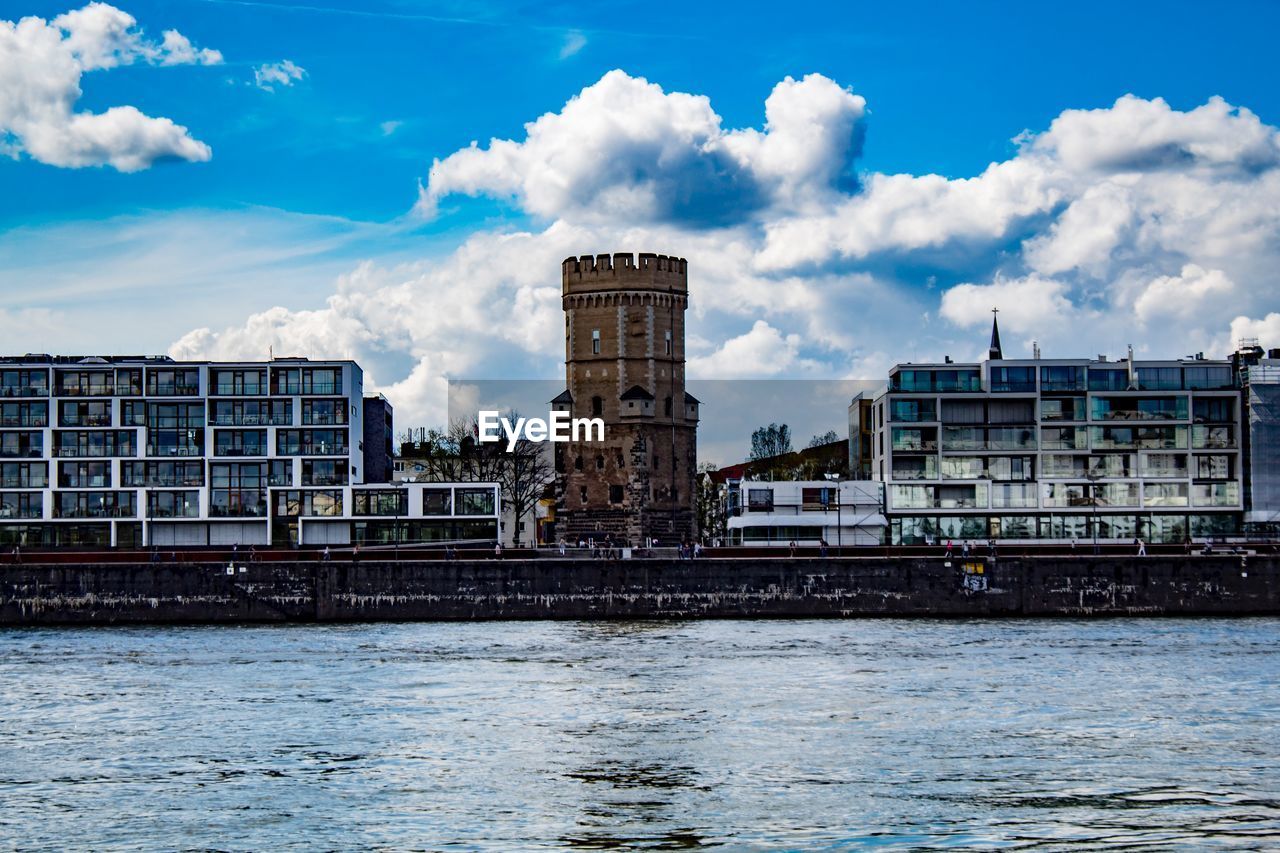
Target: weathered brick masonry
[
  {"x": 632, "y": 589},
  {"x": 624, "y": 363}
]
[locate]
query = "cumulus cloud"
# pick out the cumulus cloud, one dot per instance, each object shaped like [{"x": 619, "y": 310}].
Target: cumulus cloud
[
  {"x": 272, "y": 74},
  {"x": 1025, "y": 303},
  {"x": 41, "y": 65},
  {"x": 625, "y": 150},
  {"x": 1185, "y": 296},
  {"x": 1134, "y": 222},
  {"x": 761, "y": 351}
]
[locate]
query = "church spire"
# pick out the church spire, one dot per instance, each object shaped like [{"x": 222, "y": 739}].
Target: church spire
[{"x": 995, "y": 351}]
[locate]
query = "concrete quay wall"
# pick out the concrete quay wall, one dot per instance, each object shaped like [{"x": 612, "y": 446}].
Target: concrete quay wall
[{"x": 34, "y": 594}]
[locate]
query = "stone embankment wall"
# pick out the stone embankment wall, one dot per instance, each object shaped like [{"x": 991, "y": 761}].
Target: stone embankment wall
[{"x": 637, "y": 589}]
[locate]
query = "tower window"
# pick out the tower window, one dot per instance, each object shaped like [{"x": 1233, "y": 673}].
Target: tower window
[
  {"x": 668, "y": 342},
  {"x": 595, "y": 341},
  {"x": 599, "y": 462},
  {"x": 583, "y": 494},
  {"x": 615, "y": 494},
  {"x": 577, "y": 463},
  {"x": 597, "y": 406},
  {"x": 666, "y": 406}
]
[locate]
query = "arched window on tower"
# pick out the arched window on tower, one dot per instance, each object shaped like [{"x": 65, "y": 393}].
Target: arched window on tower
[
  {"x": 668, "y": 342},
  {"x": 666, "y": 406},
  {"x": 597, "y": 406},
  {"x": 595, "y": 341}
]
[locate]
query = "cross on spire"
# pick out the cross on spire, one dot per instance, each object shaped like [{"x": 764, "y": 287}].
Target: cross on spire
[{"x": 995, "y": 351}]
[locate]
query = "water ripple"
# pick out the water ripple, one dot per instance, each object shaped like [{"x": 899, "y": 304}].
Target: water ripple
[{"x": 886, "y": 735}]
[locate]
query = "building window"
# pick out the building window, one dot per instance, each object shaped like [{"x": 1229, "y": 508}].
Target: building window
[
  {"x": 666, "y": 406},
  {"x": 595, "y": 341},
  {"x": 577, "y": 463},
  {"x": 380, "y": 502},
  {"x": 24, "y": 475},
  {"x": 324, "y": 472},
  {"x": 475, "y": 502},
  {"x": 173, "y": 504},
  {"x": 84, "y": 475},
  {"x": 437, "y": 502},
  {"x": 599, "y": 462},
  {"x": 615, "y": 494},
  {"x": 582, "y": 493},
  {"x": 668, "y": 341},
  {"x": 173, "y": 382},
  {"x": 597, "y": 406},
  {"x": 95, "y": 505},
  {"x": 21, "y": 505}
]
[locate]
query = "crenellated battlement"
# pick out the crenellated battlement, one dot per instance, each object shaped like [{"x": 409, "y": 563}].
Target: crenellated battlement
[{"x": 646, "y": 271}]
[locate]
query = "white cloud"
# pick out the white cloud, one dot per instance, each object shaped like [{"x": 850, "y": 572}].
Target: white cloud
[
  {"x": 41, "y": 65},
  {"x": 272, "y": 74},
  {"x": 625, "y": 150},
  {"x": 1026, "y": 305},
  {"x": 1187, "y": 296},
  {"x": 390, "y": 127},
  {"x": 761, "y": 351},
  {"x": 1265, "y": 330},
  {"x": 574, "y": 41},
  {"x": 1135, "y": 219},
  {"x": 176, "y": 49}
]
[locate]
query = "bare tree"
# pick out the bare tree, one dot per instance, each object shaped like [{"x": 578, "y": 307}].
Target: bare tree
[
  {"x": 709, "y": 504},
  {"x": 526, "y": 471},
  {"x": 456, "y": 455}
]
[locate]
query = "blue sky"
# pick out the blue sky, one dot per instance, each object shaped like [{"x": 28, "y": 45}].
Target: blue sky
[{"x": 299, "y": 229}]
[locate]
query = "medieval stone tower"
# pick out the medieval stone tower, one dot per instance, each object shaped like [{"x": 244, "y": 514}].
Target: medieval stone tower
[{"x": 624, "y": 362}]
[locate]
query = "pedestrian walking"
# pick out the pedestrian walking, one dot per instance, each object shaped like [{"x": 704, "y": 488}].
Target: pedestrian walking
[
  {"x": 948, "y": 549},
  {"x": 792, "y": 546},
  {"x": 326, "y": 556},
  {"x": 822, "y": 546},
  {"x": 964, "y": 548},
  {"x": 17, "y": 553},
  {"x": 561, "y": 544},
  {"x": 1142, "y": 547}
]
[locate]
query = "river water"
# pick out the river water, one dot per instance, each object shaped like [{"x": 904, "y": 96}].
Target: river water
[{"x": 882, "y": 734}]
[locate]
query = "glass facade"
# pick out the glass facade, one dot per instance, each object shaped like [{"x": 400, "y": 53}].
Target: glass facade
[{"x": 1138, "y": 446}]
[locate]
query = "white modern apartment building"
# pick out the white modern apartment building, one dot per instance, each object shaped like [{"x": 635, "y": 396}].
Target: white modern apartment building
[
  {"x": 848, "y": 512},
  {"x": 1060, "y": 449},
  {"x": 139, "y": 451}
]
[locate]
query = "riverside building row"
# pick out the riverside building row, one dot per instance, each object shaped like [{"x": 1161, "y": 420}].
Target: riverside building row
[
  {"x": 1060, "y": 449},
  {"x": 140, "y": 451}
]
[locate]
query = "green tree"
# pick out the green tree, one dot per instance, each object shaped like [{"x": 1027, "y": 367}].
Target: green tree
[
  {"x": 771, "y": 440},
  {"x": 826, "y": 438}
]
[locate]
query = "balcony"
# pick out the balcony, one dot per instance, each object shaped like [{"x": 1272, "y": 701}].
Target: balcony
[
  {"x": 325, "y": 480},
  {"x": 259, "y": 511},
  {"x": 323, "y": 449},
  {"x": 91, "y": 390},
  {"x": 174, "y": 450},
  {"x": 1019, "y": 387},
  {"x": 172, "y": 389},
  {"x": 95, "y": 512}
]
